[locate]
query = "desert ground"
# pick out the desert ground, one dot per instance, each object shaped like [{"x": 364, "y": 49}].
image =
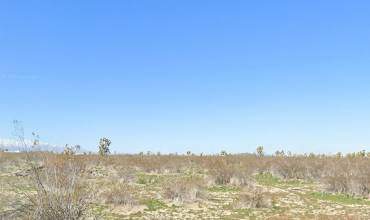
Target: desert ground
[{"x": 42, "y": 185}]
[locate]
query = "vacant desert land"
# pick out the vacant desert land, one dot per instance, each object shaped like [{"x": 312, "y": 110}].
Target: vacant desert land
[{"x": 46, "y": 186}]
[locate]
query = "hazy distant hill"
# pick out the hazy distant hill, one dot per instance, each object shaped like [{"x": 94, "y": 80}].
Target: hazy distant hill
[{"x": 16, "y": 145}]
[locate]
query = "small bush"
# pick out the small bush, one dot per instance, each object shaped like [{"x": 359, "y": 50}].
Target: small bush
[
  {"x": 253, "y": 198},
  {"x": 290, "y": 168},
  {"x": 120, "y": 194},
  {"x": 187, "y": 189},
  {"x": 60, "y": 194},
  {"x": 221, "y": 171},
  {"x": 348, "y": 176}
]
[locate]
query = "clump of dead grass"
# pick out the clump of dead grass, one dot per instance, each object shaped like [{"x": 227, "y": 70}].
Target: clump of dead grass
[
  {"x": 120, "y": 194},
  {"x": 59, "y": 192},
  {"x": 253, "y": 197},
  {"x": 348, "y": 176},
  {"x": 185, "y": 189}
]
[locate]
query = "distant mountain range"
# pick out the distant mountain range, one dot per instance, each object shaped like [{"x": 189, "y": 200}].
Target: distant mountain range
[{"x": 16, "y": 145}]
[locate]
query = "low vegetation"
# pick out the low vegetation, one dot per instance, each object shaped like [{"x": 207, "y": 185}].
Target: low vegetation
[{"x": 145, "y": 186}]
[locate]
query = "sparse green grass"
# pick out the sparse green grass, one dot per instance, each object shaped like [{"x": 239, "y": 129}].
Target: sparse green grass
[
  {"x": 147, "y": 179},
  {"x": 224, "y": 188},
  {"x": 267, "y": 179},
  {"x": 290, "y": 197},
  {"x": 253, "y": 213},
  {"x": 98, "y": 209},
  {"x": 277, "y": 209},
  {"x": 154, "y": 204},
  {"x": 340, "y": 198},
  {"x": 240, "y": 213}
]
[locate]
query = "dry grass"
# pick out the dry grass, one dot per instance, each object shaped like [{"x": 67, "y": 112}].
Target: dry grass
[
  {"x": 253, "y": 198},
  {"x": 62, "y": 185},
  {"x": 120, "y": 194},
  {"x": 60, "y": 192},
  {"x": 185, "y": 190},
  {"x": 349, "y": 176},
  {"x": 57, "y": 190}
]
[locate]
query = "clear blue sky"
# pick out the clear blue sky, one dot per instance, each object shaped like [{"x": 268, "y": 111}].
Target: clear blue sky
[{"x": 204, "y": 76}]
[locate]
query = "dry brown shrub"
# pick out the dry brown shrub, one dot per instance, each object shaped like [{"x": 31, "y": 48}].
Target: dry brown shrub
[
  {"x": 185, "y": 189},
  {"x": 290, "y": 167},
  {"x": 221, "y": 171},
  {"x": 234, "y": 170},
  {"x": 126, "y": 174},
  {"x": 349, "y": 176},
  {"x": 252, "y": 197},
  {"x": 120, "y": 194},
  {"x": 315, "y": 167},
  {"x": 59, "y": 190}
]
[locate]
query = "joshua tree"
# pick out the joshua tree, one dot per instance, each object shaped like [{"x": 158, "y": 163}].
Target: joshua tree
[
  {"x": 339, "y": 155},
  {"x": 104, "y": 146},
  {"x": 223, "y": 153},
  {"x": 36, "y": 139},
  {"x": 71, "y": 150},
  {"x": 361, "y": 153},
  {"x": 68, "y": 150},
  {"x": 259, "y": 151},
  {"x": 280, "y": 153}
]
